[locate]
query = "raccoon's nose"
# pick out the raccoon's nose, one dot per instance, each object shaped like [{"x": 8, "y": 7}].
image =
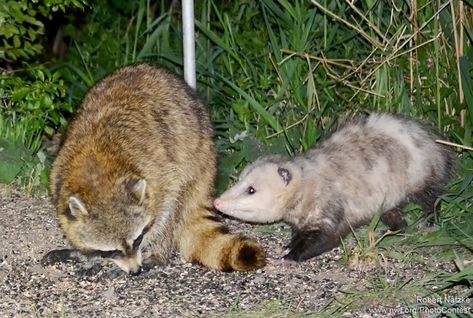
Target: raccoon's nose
[
  {"x": 218, "y": 204},
  {"x": 136, "y": 272}
]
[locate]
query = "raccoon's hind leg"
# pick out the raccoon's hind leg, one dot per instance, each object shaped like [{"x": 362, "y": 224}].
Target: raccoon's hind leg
[{"x": 394, "y": 219}]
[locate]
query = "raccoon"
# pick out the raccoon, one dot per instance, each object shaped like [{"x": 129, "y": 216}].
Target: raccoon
[
  {"x": 381, "y": 162},
  {"x": 134, "y": 176}
]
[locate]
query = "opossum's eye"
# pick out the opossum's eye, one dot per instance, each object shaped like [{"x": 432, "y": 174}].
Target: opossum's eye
[{"x": 250, "y": 190}]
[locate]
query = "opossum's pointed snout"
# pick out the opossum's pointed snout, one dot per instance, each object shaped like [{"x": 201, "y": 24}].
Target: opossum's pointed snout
[{"x": 218, "y": 204}]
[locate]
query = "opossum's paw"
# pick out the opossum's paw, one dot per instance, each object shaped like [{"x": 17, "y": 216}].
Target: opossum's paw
[
  {"x": 430, "y": 223},
  {"x": 429, "y": 228},
  {"x": 61, "y": 256}
]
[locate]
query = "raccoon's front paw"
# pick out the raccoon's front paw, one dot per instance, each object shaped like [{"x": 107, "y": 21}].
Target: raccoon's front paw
[
  {"x": 89, "y": 271},
  {"x": 112, "y": 273},
  {"x": 150, "y": 263},
  {"x": 61, "y": 256}
]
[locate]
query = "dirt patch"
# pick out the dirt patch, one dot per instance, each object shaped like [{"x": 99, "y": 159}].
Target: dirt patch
[{"x": 28, "y": 230}]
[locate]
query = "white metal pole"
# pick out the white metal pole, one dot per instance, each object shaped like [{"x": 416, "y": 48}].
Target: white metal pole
[{"x": 189, "y": 42}]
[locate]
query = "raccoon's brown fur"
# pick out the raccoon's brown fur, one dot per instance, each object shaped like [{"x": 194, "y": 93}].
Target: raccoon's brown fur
[{"x": 134, "y": 176}]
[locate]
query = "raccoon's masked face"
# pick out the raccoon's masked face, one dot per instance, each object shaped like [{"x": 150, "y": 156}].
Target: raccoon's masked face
[{"x": 114, "y": 228}]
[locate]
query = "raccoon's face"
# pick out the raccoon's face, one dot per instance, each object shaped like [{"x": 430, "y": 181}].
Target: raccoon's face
[
  {"x": 113, "y": 227},
  {"x": 258, "y": 196}
]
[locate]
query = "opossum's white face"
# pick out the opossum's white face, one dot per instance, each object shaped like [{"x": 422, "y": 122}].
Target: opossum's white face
[{"x": 259, "y": 194}]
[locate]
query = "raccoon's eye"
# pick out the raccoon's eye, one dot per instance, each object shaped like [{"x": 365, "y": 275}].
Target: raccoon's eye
[
  {"x": 250, "y": 190},
  {"x": 139, "y": 239},
  {"x": 137, "y": 242}
]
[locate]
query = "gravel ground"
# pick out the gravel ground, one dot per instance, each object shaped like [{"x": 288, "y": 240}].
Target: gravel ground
[{"x": 28, "y": 229}]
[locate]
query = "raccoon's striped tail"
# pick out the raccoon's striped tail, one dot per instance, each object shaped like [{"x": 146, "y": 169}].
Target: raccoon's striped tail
[{"x": 205, "y": 240}]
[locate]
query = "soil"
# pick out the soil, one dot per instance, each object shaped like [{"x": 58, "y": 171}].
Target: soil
[{"x": 96, "y": 288}]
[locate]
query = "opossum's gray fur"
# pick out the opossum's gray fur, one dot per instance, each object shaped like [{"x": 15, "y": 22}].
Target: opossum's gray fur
[{"x": 380, "y": 162}]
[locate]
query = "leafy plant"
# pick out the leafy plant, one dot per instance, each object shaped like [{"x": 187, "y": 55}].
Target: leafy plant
[
  {"x": 36, "y": 98},
  {"x": 12, "y": 158},
  {"x": 21, "y": 28},
  {"x": 32, "y": 97}
]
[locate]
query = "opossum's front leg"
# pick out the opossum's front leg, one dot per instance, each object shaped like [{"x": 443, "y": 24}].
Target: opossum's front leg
[{"x": 306, "y": 244}]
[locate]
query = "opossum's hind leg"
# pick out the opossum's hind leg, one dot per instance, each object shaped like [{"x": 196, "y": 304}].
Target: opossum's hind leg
[
  {"x": 394, "y": 219},
  {"x": 306, "y": 244},
  {"x": 431, "y": 213},
  {"x": 427, "y": 201}
]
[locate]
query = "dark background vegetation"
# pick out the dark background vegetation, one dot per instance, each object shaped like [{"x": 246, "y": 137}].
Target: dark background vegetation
[{"x": 277, "y": 75}]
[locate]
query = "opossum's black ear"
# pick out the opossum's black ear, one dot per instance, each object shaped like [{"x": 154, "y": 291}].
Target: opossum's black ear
[
  {"x": 285, "y": 175},
  {"x": 137, "y": 189}
]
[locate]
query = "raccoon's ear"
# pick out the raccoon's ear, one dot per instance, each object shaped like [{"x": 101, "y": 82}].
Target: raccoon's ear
[
  {"x": 285, "y": 175},
  {"x": 77, "y": 207},
  {"x": 137, "y": 189}
]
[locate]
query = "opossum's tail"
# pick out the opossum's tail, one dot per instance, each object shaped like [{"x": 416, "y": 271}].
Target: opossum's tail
[{"x": 205, "y": 240}]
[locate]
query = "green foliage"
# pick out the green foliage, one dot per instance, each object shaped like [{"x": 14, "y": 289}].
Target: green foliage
[
  {"x": 36, "y": 98},
  {"x": 17, "y": 163},
  {"x": 279, "y": 75},
  {"x": 284, "y": 72},
  {"x": 12, "y": 159},
  {"x": 32, "y": 106},
  {"x": 33, "y": 99},
  {"x": 21, "y": 28},
  {"x": 115, "y": 34}
]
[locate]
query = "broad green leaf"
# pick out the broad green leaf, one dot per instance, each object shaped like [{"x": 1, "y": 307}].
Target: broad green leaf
[{"x": 12, "y": 158}]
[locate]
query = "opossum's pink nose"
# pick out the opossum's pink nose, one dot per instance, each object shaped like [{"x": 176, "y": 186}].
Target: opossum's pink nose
[{"x": 218, "y": 204}]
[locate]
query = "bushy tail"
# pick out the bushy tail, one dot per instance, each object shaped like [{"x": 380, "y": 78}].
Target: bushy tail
[{"x": 205, "y": 240}]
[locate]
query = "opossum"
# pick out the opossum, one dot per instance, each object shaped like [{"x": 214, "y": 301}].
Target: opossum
[{"x": 376, "y": 163}]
